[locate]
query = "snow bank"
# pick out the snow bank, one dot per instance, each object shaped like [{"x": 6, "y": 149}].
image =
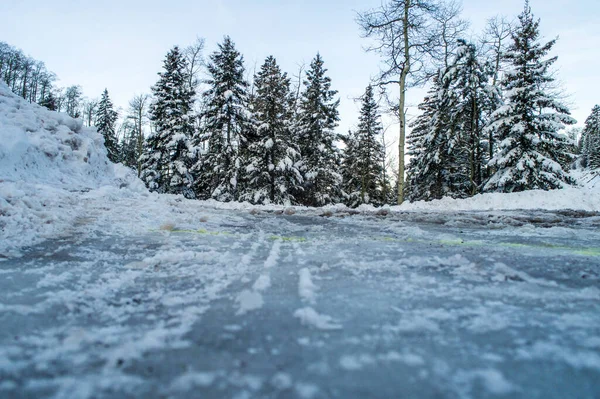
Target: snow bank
[
  {"x": 45, "y": 157},
  {"x": 585, "y": 197},
  {"x": 578, "y": 198}
]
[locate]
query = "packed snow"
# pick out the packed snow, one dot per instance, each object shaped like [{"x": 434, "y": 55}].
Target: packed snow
[{"x": 108, "y": 290}]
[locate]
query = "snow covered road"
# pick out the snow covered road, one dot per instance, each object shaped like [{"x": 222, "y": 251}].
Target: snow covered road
[{"x": 234, "y": 304}]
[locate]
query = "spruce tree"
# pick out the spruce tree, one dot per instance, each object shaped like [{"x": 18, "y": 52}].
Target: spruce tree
[
  {"x": 437, "y": 165},
  {"x": 528, "y": 126},
  {"x": 475, "y": 99},
  {"x": 168, "y": 157},
  {"x": 591, "y": 139},
  {"x": 106, "y": 119},
  {"x": 226, "y": 122},
  {"x": 272, "y": 164},
  {"x": 128, "y": 153},
  {"x": 350, "y": 181},
  {"x": 364, "y": 157},
  {"x": 318, "y": 117}
]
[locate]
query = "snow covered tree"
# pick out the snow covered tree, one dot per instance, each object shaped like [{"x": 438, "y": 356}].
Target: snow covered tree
[
  {"x": 226, "y": 120},
  {"x": 137, "y": 116},
  {"x": 437, "y": 165},
  {"x": 590, "y": 139},
  {"x": 528, "y": 126},
  {"x": 167, "y": 156},
  {"x": 127, "y": 145},
  {"x": 72, "y": 100},
  {"x": 350, "y": 183},
  {"x": 447, "y": 144},
  {"x": 318, "y": 117},
  {"x": 364, "y": 157},
  {"x": 272, "y": 162},
  {"x": 475, "y": 99},
  {"x": 106, "y": 119},
  {"x": 49, "y": 101}
]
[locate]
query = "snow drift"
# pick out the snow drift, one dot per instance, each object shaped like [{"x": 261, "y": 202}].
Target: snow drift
[
  {"x": 45, "y": 157},
  {"x": 585, "y": 197},
  {"x": 42, "y": 146}
]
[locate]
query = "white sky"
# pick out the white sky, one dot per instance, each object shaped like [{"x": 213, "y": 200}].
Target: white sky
[{"x": 121, "y": 44}]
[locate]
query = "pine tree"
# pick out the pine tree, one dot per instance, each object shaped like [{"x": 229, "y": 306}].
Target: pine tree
[
  {"x": 128, "y": 153},
  {"x": 226, "y": 122},
  {"x": 475, "y": 99},
  {"x": 272, "y": 163},
  {"x": 591, "y": 139},
  {"x": 106, "y": 119},
  {"x": 528, "y": 125},
  {"x": 437, "y": 165},
  {"x": 318, "y": 117},
  {"x": 351, "y": 184},
  {"x": 364, "y": 157},
  {"x": 167, "y": 155}
]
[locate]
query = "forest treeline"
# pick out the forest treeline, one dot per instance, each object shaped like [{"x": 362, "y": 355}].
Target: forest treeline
[{"x": 493, "y": 119}]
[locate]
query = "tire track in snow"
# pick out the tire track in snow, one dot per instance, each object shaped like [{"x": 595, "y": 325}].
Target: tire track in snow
[
  {"x": 307, "y": 315},
  {"x": 273, "y": 257},
  {"x": 246, "y": 259},
  {"x": 252, "y": 299}
]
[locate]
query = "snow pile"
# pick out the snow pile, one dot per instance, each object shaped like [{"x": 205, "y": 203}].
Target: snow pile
[
  {"x": 45, "y": 156},
  {"x": 42, "y": 146},
  {"x": 585, "y": 197},
  {"x": 578, "y": 198}
]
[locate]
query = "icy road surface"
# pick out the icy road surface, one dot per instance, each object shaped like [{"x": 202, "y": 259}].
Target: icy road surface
[{"x": 241, "y": 305}]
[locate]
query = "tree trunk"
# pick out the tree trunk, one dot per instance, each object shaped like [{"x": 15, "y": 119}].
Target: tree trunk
[
  {"x": 401, "y": 110},
  {"x": 140, "y": 140},
  {"x": 473, "y": 144}
]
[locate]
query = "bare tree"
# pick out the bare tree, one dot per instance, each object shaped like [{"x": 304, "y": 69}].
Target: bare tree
[
  {"x": 451, "y": 28},
  {"x": 495, "y": 41},
  {"x": 138, "y": 114},
  {"x": 407, "y": 37},
  {"x": 389, "y": 165},
  {"x": 89, "y": 110},
  {"x": 73, "y": 100},
  {"x": 496, "y": 38},
  {"x": 297, "y": 87},
  {"x": 195, "y": 61}
]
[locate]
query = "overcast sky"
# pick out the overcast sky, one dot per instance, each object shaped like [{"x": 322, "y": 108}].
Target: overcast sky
[{"x": 121, "y": 44}]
